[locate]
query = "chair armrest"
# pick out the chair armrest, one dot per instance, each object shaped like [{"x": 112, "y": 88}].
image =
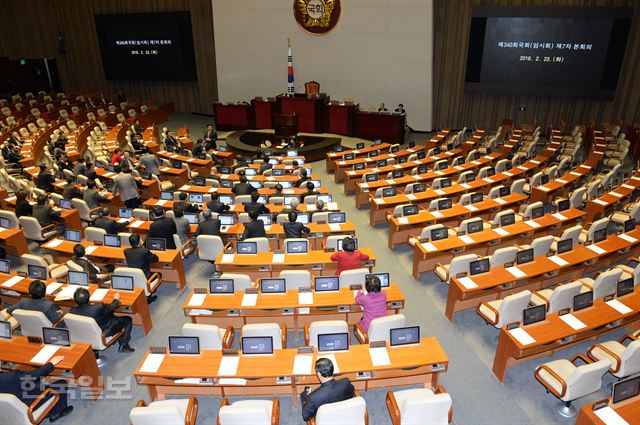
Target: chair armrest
[
  {"x": 47, "y": 228},
  {"x": 306, "y": 334},
  {"x": 628, "y": 336},
  {"x": 227, "y": 246},
  {"x": 490, "y": 307},
  {"x": 275, "y": 411},
  {"x": 94, "y": 210},
  {"x": 580, "y": 356},
  {"x": 284, "y": 335},
  {"x": 33, "y": 406},
  {"x": 55, "y": 325},
  {"x": 585, "y": 284},
  {"x": 228, "y": 337},
  {"x": 539, "y": 295},
  {"x": 192, "y": 411},
  {"x": 187, "y": 245},
  {"x": 113, "y": 339},
  {"x": 444, "y": 268},
  {"x": 224, "y": 402},
  {"x": 392, "y": 407},
  {"x": 151, "y": 279},
  {"x": 360, "y": 334},
  {"x": 141, "y": 403},
  {"x": 612, "y": 369},
  {"x": 440, "y": 390},
  {"x": 557, "y": 377}
]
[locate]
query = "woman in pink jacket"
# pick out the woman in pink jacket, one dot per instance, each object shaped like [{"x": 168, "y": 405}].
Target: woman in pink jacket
[{"x": 374, "y": 303}]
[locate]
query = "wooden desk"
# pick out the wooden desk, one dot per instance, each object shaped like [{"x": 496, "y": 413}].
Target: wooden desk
[
  {"x": 14, "y": 242},
  {"x": 70, "y": 218},
  {"x": 597, "y": 208},
  {"x": 413, "y": 365},
  {"x": 262, "y": 265},
  {"x": 149, "y": 189},
  {"x": 380, "y": 125},
  {"x": 629, "y": 410},
  {"x": 238, "y": 209},
  {"x": 225, "y": 310},
  {"x": 228, "y": 191},
  {"x": 169, "y": 264},
  {"x": 200, "y": 166},
  {"x": 540, "y": 273},
  {"x": 554, "y": 334},
  {"x": 78, "y": 368},
  {"x": 487, "y": 241},
  {"x": 562, "y": 185},
  {"x": 336, "y": 156}
]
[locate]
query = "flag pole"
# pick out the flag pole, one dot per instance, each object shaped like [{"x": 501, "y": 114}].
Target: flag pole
[{"x": 290, "y": 80}]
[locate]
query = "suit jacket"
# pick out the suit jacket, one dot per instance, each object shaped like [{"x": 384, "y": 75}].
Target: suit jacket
[
  {"x": 107, "y": 224},
  {"x": 44, "y": 214},
  {"x": 79, "y": 168},
  {"x": 140, "y": 258},
  {"x": 187, "y": 207},
  {"x": 301, "y": 181},
  {"x": 126, "y": 186},
  {"x": 70, "y": 191},
  {"x": 329, "y": 392},
  {"x": 217, "y": 207},
  {"x": 209, "y": 227},
  {"x": 304, "y": 195},
  {"x": 254, "y": 229},
  {"x": 242, "y": 189},
  {"x": 49, "y": 308},
  {"x": 264, "y": 167},
  {"x": 101, "y": 313},
  {"x": 151, "y": 163},
  {"x": 256, "y": 206},
  {"x": 14, "y": 383},
  {"x": 171, "y": 142},
  {"x": 164, "y": 228},
  {"x": 45, "y": 182},
  {"x": 182, "y": 228},
  {"x": 23, "y": 208},
  {"x": 87, "y": 266},
  {"x": 93, "y": 198},
  {"x": 295, "y": 230}
]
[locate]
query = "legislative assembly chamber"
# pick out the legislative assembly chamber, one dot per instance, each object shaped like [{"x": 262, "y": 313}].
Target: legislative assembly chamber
[{"x": 323, "y": 212}]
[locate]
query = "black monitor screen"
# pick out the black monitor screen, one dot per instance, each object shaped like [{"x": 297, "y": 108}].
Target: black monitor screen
[
  {"x": 439, "y": 234},
  {"x": 112, "y": 240},
  {"x": 507, "y": 219},
  {"x": 599, "y": 235},
  {"x": 505, "y": 191},
  {"x": 534, "y": 314},
  {"x": 221, "y": 286},
  {"x": 326, "y": 283},
  {"x": 277, "y": 172},
  {"x": 475, "y": 226},
  {"x": 176, "y": 164},
  {"x": 199, "y": 181},
  {"x": 78, "y": 278},
  {"x": 381, "y": 163},
  {"x": 629, "y": 225},
  {"x": 370, "y": 177},
  {"x": 420, "y": 187},
  {"x": 544, "y": 179},
  {"x": 479, "y": 266},
  {"x": 5, "y": 266},
  {"x": 122, "y": 283},
  {"x": 563, "y": 205},
  {"x": 5, "y": 330},
  {"x": 409, "y": 210},
  {"x": 184, "y": 345},
  {"x": 228, "y": 184},
  {"x": 297, "y": 247},
  {"x": 349, "y": 156},
  {"x": 56, "y": 336},
  {"x": 547, "y": 51},
  {"x": 565, "y": 245},
  {"x": 537, "y": 212},
  {"x": 624, "y": 287},
  {"x": 444, "y": 183},
  {"x": 333, "y": 342},
  {"x": 154, "y": 46},
  {"x": 404, "y": 336},
  {"x": 257, "y": 345},
  {"x": 476, "y": 197},
  {"x": 383, "y": 277},
  {"x": 247, "y": 247},
  {"x": 37, "y": 272},
  {"x": 524, "y": 256},
  {"x": 273, "y": 286},
  {"x": 337, "y": 217},
  {"x": 626, "y": 389},
  {"x": 581, "y": 301},
  {"x": 156, "y": 244},
  {"x": 396, "y": 174},
  {"x": 445, "y": 204},
  {"x": 72, "y": 235},
  {"x": 359, "y": 145},
  {"x": 388, "y": 191}
]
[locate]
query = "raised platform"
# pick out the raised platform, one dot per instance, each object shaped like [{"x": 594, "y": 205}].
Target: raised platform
[{"x": 314, "y": 148}]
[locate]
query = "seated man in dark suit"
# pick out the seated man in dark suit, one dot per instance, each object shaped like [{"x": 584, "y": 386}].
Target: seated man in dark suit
[
  {"x": 104, "y": 317},
  {"x": 141, "y": 258},
  {"x": 91, "y": 195},
  {"x": 310, "y": 191},
  {"x": 210, "y": 226},
  {"x": 242, "y": 188},
  {"x": 104, "y": 222},
  {"x": 45, "y": 214},
  {"x": 27, "y": 387},
  {"x": 96, "y": 274},
  {"x": 329, "y": 391},
  {"x": 265, "y": 165},
  {"x": 45, "y": 179},
  {"x": 70, "y": 190},
  {"x": 254, "y": 205},
  {"x": 198, "y": 148},
  {"x": 255, "y": 228},
  {"x": 187, "y": 207},
  {"x": 163, "y": 227},
  {"x": 79, "y": 168},
  {"x": 23, "y": 207},
  {"x": 170, "y": 142},
  {"x": 37, "y": 302},
  {"x": 293, "y": 229},
  {"x": 216, "y": 206},
  {"x": 303, "y": 178}
]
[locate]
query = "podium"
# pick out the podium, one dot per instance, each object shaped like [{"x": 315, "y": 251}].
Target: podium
[
  {"x": 309, "y": 110},
  {"x": 285, "y": 126}
]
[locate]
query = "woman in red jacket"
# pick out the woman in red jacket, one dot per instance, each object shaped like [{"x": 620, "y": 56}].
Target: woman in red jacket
[{"x": 349, "y": 258}]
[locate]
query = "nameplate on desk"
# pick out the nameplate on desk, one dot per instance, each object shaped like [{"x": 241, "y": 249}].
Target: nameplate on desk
[
  {"x": 412, "y": 197},
  {"x": 571, "y": 320},
  {"x": 467, "y": 239},
  {"x": 619, "y": 307},
  {"x": 230, "y": 352},
  {"x": 306, "y": 349},
  {"x": 471, "y": 207},
  {"x": 466, "y": 186},
  {"x": 500, "y": 201},
  {"x": 598, "y": 201},
  {"x": 559, "y": 216},
  {"x": 277, "y": 258},
  {"x": 45, "y": 354},
  {"x": 626, "y": 186},
  {"x": 437, "y": 214},
  {"x": 34, "y": 339},
  {"x": 467, "y": 282},
  {"x": 157, "y": 350},
  {"x": 501, "y": 231}
]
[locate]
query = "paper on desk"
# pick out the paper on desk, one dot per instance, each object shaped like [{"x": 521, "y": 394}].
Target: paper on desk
[
  {"x": 627, "y": 237},
  {"x": 227, "y": 258},
  {"x": 379, "y": 356},
  {"x": 10, "y": 282},
  {"x": 467, "y": 239},
  {"x": 562, "y": 181},
  {"x": 302, "y": 365},
  {"x": 335, "y": 227},
  {"x": 136, "y": 223},
  {"x": 439, "y": 191},
  {"x": 391, "y": 181},
  {"x": 560, "y": 216},
  {"x": 571, "y": 320},
  {"x": 98, "y": 295},
  {"x": 161, "y": 202},
  {"x": 558, "y": 260},
  {"x": 610, "y": 416},
  {"x": 412, "y": 197},
  {"x": 429, "y": 247},
  {"x": 436, "y": 214},
  {"x": 500, "y": 201},
  {"x": 66, "y": 293},
  {"x": 152, "y": 363},
  {"x": 467, "y": 282},
  {"x": 197, "y": 300},
  {"x": 544, "y": 189},
  {"x": 618, "y": 306},
  {"x": 507, "y": 173},
  {"x": 522, "y": 336},
  {"x": 305, "y": 298},
  {"x": 628, "y": 186},
  {"x": 232, "y": 381},
  {"x": 522, "y": 167},
  {"x": 466, "y": 186},
  {"x": 89, "y": 250},
  {"x": 471, "y": 207},
  {"x": 378, "y": 200},
  {"x": 598, "y": 201},
  {"x": 515, "y": 271},
  {"x": 439, "y": 172},
  {"x": 616, "y": 194},
  {"x": 53, "y": 243},
  {"x": 501, "y": 231},
  {"x": 277, "y": 258},
  {"x": 45, "y": 354},
  {"x": 403, "y": 220},
  {"x": 249, "y": 300},
  {"x": 575, "y": 174},
  {"x": 532, "y": 223},
  {"x": 596, "y": 249},
  {"x": 331, "y": 357},
  {"x": 228, "y": 366},
  {"x": 535, "y": 161},
  {"x": 488, "y": 180},
  {"x": 52, "y": 287}
]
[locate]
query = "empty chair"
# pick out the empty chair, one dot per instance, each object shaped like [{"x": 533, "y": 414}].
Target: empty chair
[
  {"x": 500, "y": 313},
  {"x": 458, "y": 264},
  {"x": 185, "y": 248},
  {"x": 464, "y": 224},
  {"x": 11, "y": 216},
  {"x": 94, "y": 234},
  {"x": 541, "y": 245},
  {"x": 558, "y": 298},
  {"x": 355, "y": 409},
  {"x": 569, "y": 382},
  {"x": 528, "y": 209},
  {"x": 379, "y": 329},
  {"x": 211, "y": 337},
  {"x": 625, "y": 360},
  {"x": 501, "y": 256},
  {"x": 604, "y": 283},
  {"x": 278, "y": 335},
  {"x": 352, "y": 277},
  {"x": 243, "y": 199},
  {"x": 466, "y": 176},
  {"x": 141, "y": 213},
  {"x": 209, "y": 247},
  {"x": 311, "y": 331},
  {"x": 32, "y": 230},
  {"x": 535, "y": 181},
  {"x": 54, "y": 270},
  {"x": 296, "y": 279},
  {"x": 261, "y": 243},
  {"x": 255, "y": 412},
  {"x": 587, "y": 235},
  {"x": 572, "y": 233},
  {"x": 425, "y": 233},
  {"x": 31, "y": 322},
  {"x": 398, "y": 210},
  {"x": 497, "y": 220},
  {"x": 420, "y": 406},
  {"x": 628, "y": 211},
  {"x": 13, "y": 411},
  {"x": 518, "y": 186},
  {"x": 149, "y": 285},
  {"x": 174, "y": 412},
  {"x": 240, "y": 281},
  {"x": 628, "y": 272}
]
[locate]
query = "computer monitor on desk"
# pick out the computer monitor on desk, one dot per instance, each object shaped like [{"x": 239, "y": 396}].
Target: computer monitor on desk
[
  {"x": 337, "y": 217},
  {"x": 536, "y": 212},
  {"x": 65, "y": 205},
  {"x": 37, "y": 272},
  {"x": 565, "y": 245},
  {"x": 476, "y": 197},
  {"x": 78, "y": 278},
  {"x": 5, "y": 223},
  {"x": 624, "y": 390},
  {"x": 339, "y": 244},
  {"x": 221, "y": 286},
  {"x": 326, "y": 283},
  {"x": 184, "y": 345},
  {"x": 534, "y": 314},
  {"x": 192, "y": 218},
  {"x": 400, "y": 337},
  {"x": 125, "y": 212},
  {"x": 504, "y": 191},
  {"x": 624, "y": 287},
  {"x": 72, "y": 235},
  {"x": 289, "y": 198},
  {"x": 257, "y": 345},
  {"x": 582, "y": 301},
  {"x": 227, "y": 219},
  {"x": 333, "y": 342},
  {"x": 273, "y": 286},
  {"x": 383, "y": 277},
  {"x": 439, "y": 234},
  {"x": 297, "y": 247},
  {"x": 156, "y": 244},
  {"x": 166, "y": 196},
  {"x": 325, "y": 198},
  {"x": 247, "y": 247},
  {"x": 112, "y": 241},
  {"x": 303, "y": 218},
  {"x": 629, "y": 225},
  {"x": 563, "y": 205},
  {"x": 5, "y": 266},
  {"x": 479, "y": 266},
  {"x": 122, "y": 283},
  {"x": 56, "y": 336},
  {"x": 507, "y": 219},
  {"x": 265, "y": 218},
  {"x": 5, "y": 330},
  {"x": 196, "y": 198},
  {"x": 599, "y": 235},
  {"x": 226, "y": 199},
  {"x": 475, "y": 226},
  {"x": 524, "y": 256}
]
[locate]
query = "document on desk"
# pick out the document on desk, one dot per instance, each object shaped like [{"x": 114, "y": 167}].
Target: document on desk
[
  {"x": 335, "y": 227},
  {"x": 136, "y": 224},
  {"x": 618, "y": 306},
  {"x": 378, "y": 201},
  {"x": 467, "y": 282},
  {"x": 403, "y": 220},
  {"x": 598, "y": 201},
  {"x": 559, "y": 216},
  {"x": 616, "y": 194},
  {"x": 500, "y": 201},
  {"x": 53, "y": 243},
  {"x": 627, "y": 237},
  {"x": 610, "y": 416},
  {"x": 515, "y": 271},
  {"x": 90, "y": 249},
  {"x": 562, "y": 181},
  {"x": 232, "y": 381},
  {"x": 501, "y": 231},
  {"x": 227, "y": 258},
  {"x": 522, "y": 336},
  {"x": 628, "y": 186},
  {"x": 302, "y": 365},
  {"x": 429, "y": 247},
  {"x": 379, "y": 356},
  {"x": 161, "y": 202},
  {"x": 249, "y": 300},
  {"x": 277, "y": 258},
  {"x": 305, "y": 298},
  {"x": 596, "y": 249},
  {"x": 466, "y": 186},
  {"x": 488, "y": 180},
  {"x": 558, "y": 260},
  {"x": 152, "y": 363},
  {"x": 66, "y": 293},
  {"x": 467, "y": 239},
  {"x": 412, "y": 197},
  {"x": 197, "y": 300},
  {"x": 10, "y": 282},
  {"x": 228, "y": 365},
  {"x": 45, "y": 354},
  {"x": 332, "y": 206},
  {"x": 571, "y": 320},
  {"x": 439, "y": 192},
  {"x": 522, "y": 167},
  {"x": 391, "y": 181},
  {"x": 544, "y": 189},
  {"x": 331, "y": 357},
  {"x": 98, "y": 295},
  {"x": 508, "y": 174},
  {"x": 471, "y": 207},
  {"x": 437, "y": 214},
  {"x": 52, "y": 287}
]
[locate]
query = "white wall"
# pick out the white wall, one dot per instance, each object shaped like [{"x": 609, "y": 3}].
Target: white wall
[{"x": 380, "y": 51}]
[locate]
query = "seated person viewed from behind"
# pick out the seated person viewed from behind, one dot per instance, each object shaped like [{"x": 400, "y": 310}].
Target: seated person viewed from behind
[
  {"x": 330, "y": 390},
  {"x": 37, "y": 302},
  {"x": 242, "y": 188},
  {"x": 210, "y": 226},
  {"x": 293, "y": 206},
  {"x": 350, "y": 258},
  {"x": 254, "y": 228},
  {"x": 182, "y": 224},
  {"x": 293, "y": 229},
  {"x": 91, "y": 195},
  {"x": 96, "y": 274},
  {"x": 45, "y": 214},
  {"x": 303, "y": 178},
  {"x": 187, "y": 207},
  {"x": 163, "y": 227},
  {"x": 104, "y": 317},
  {"x": 70, "y": 190},
  {"x": 254, "y": 205},
  {"x": 374, "y": 302},
  {"x": 265, "y": 165},
  {"x": 45, "y": 179},
  {"x": 216, "y": 206},
  {"x": 23, "y": 207},
  {"x": 139, "y": 257},
  {"x": 104, "y": 222},
  {"x": 310, "y": 191}
]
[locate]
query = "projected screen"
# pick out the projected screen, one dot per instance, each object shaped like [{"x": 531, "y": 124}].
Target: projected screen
[
  {"x": 547, "y": 51},
  {"x": 147, "y": 46}
]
